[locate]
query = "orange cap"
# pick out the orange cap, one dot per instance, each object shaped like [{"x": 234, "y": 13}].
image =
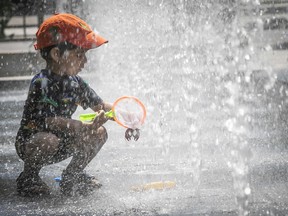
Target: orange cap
[{"x": 67, "y": 27}]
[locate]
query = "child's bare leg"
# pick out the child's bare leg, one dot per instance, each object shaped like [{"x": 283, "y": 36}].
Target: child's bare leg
[
  {"x": 38, "y": 150},
  {"x": 86, "y": 146}
]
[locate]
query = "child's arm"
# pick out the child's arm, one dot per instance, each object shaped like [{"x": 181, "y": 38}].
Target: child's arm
[
  {"x": 63, "y": 124},
  {"x": 103, "y": 106},
  {"x": 74, "y": 126}
]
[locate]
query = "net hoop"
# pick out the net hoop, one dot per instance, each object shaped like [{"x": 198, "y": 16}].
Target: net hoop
[{"x": 138, "y": 102}]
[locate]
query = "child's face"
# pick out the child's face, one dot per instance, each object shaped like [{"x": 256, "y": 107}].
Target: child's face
[{"x": 72, "y": 61}]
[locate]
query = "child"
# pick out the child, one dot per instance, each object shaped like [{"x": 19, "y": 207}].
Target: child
[{"x": 47, "y": 133}]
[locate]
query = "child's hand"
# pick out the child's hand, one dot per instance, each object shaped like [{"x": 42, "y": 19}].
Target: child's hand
[{"x": 99, "y": 120}]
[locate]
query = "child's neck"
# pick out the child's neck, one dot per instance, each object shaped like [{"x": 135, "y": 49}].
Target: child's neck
[{"x": 55, "y": 69}]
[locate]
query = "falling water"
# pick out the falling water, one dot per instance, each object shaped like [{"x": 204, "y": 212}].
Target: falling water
[{"x": 190, "y": 61}]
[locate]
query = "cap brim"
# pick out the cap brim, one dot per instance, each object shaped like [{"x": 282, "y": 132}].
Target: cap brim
[
  {"x": 94, "y": 40},
  {"x": 91, "y": 41}
]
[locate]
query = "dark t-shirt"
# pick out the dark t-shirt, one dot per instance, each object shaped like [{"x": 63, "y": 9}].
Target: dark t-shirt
[{"x": 51, "y": 95}]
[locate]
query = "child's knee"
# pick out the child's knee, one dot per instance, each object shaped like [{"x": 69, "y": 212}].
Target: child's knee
[
  {"x": 95, "y": 139},
  {"x": 42, "y": 143},
  {"x": 102, "y": 134},
  {"x": 99, "y": 138}
]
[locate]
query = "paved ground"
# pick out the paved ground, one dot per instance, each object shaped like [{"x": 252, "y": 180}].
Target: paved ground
[{"x": 203, "y": 189}]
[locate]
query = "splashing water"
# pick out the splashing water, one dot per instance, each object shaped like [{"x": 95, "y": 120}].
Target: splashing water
[{"x": 191, "y": 61}]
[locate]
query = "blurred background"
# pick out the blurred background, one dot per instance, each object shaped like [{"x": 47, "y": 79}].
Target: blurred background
[{"x": 19, "y": 20}]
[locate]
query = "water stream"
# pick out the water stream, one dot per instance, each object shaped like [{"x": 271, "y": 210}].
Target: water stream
[{"x": 189, "y": 62}]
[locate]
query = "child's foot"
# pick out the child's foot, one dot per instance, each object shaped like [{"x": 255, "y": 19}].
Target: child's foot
[
  {"x": 78, "y": 184},
  {"x": 31, "y": 185}
]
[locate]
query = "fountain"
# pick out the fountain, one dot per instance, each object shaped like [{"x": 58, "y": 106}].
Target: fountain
[{"x": 190, "y": 62}]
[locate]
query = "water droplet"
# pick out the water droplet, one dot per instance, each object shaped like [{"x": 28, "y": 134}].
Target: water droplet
[{"x": 247, "y": 191}]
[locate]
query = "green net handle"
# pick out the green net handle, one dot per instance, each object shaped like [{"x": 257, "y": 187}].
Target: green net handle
[{"x": 88, "y": 117}]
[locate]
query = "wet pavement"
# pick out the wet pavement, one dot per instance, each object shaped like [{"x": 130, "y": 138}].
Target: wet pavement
[{"x": 122, "y": 165}]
